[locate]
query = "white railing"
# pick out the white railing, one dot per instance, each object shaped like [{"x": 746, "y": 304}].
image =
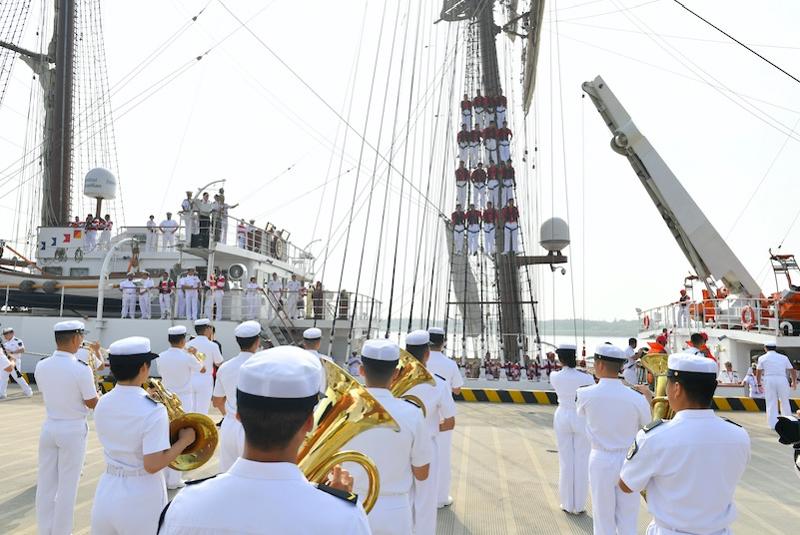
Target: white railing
[{"x": 756, "y": 315}]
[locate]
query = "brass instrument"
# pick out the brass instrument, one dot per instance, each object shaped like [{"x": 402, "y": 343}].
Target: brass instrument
[
  {"x": 206, "y": 434},
  {"x": 412, "y": 373},
  {"x": 346, "y": 410},
  {"x": 96, "y": 361},
  {"x": 656, "y": 363}
]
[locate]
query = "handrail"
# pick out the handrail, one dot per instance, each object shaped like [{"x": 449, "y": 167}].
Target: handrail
[{"x": 736, "y": 313}]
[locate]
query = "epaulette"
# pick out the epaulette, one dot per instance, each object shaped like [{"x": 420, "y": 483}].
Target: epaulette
[
  {"x": 341, "y": 494},
  {"x": 79, "y": 360},
  {"x": 196, "y": 481},
  {"x": 417, "y": 405},
  {"x": 632, "y": 451},
  {"x": 440, "y": 377},
  {"x": 732, "y": 422},
  {"x": 652, "y": 425},
  {"x": 151, "y": 398}
]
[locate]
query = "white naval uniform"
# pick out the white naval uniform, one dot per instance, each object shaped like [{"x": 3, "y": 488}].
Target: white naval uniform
[
  {"x": 180, "y": 310},
  {"x": 169, "y": 228},
  {"x": 231, "y": 439},
  {"x": 573, "y": 443},
  {"x": 186, "y": 219},
  {"x": 394, "y": 453},
  {"x": 690, "y": 466},
  {"x": 629, "y": 370},
  {"x": 151, "y": 236},
  {"x": 439, "y": 405},
  {"x": 444, "y": 367},
  {"x": 251, "y": 300},
  {"x": 275, "y": 288},
  {"x": 128, "y": 499},
  {"x": 614, "y": 414},
  {"x": 190, "y": 296},
  {"x": 12, "y": 346},
  {"x": 129, "y": 290},
  {"x": 203, "y": 383},
  {"x": 145, "y": 304},
  {"x": 65, "y": 383},
  {"x": 292, "y": 294},
  {"x": 259, "y": 498},
  {"x": 774, "y": 366}
]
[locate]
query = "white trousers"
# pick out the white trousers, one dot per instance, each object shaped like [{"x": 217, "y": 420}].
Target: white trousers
[
  {"x": 128, "y": 505},
  {"x": 291, "y": 305},
  {"x": 191, "y": 304},
  {"x": 105, "y": 239},
  {"x": 169, "y": 240},
  {"x": 511, "y": 238},
  {"x": 573, "y": 459},
  {"x": 62, "y": 446},
  {"x": 508, "y": 191},
  {"x": 493, "y": 192},
  {"x": 463, "y": 152},
  {"x": 461, "y": 193},
  {"x": 425, "y": 494},
  {"x": 466, "y": 118},
  {"x": 231, "y": 442},
  {"x": 180, "y": 312},
  {"x": 488, "y": 239},
  {"x": 505, "y": 150},
  {"x": 683, "y": 316},
  {"x": 144, "y": 305},
  {"x": 219, "y": 295},
  {"x": 18, "y": 378},
  {"x": 491, "y": 150},
  {"x": 391, "y": 515},
  {"x": 776, "y": 388},
  {"x": 458, "y": 238},
  {"x": 273, "y": 305},
  {"x": 501, "y": 115},
  {"x": 613, "y": 511},
  {"x": 208, "y": 303},
  {"x": 151, "y": 241},
  {"x": 473, "y": 232},
  {"x": 654, "y": 529},
  {"x": 202, "y": 388},
  {"x": 444, "y": 442},
  {"x": 250, "y": 306},
  {"x": 90, "y": 240},
  {"x": 474, "y": 155},
  {"x": 128, "y": 305},
  {"x": 479, "y": 195},
  {"x": 480, "y": 117},
  {"x": 186, "y": 222},
  {"x": 165, "y": 305}
]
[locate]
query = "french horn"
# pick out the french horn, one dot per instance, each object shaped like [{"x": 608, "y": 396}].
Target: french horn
[{"x": 411, "y": 373}]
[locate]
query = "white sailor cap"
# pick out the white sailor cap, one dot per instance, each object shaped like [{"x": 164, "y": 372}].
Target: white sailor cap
[
  {"x": 382, "y": 349},
  {"x": 177, "y": 330},
  {"x": 283, "y": 377},
  {"x": 567, "y": 350},
  {"x": 7, "y": 330},
  {"x": 567, "y": 347},
  {"x": 436, "y": 330},
  {"x": 247, "y": 329},
  {"x": 609, "y": 352},
  {"x": 69, "y": 326},
  {"x": 312, "y": 334},
  {"x": 133, "y": 346},
  {"x": 418, "y": 338},
  {"x": 201, "y": 322},
  {"x": 689, "y": 363},
  {"x": 771, "y": 344},
  {"x": 437, "y": 335}
]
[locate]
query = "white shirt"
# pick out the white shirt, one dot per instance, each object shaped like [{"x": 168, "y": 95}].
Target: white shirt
[
  {"x": 251, "y": 288},
  {"x": 193, "y": 281},
  {"x": 180, "y": 283},
  {"x": 293, "y": 286},
  {"x": 151, "y": 225},
  {"x": 186, "y": 205},
  {"x": 447, "y": 368},
  {"x": 211, "y": 352},
  {"x": 394, "y": 452},
  {"x": 227, "y": 377},
  {"x": 130, "y": 425},
  {"x": 169, "y": 226},
  {"x": 728, "y": 377},
  {"x": 127, "y": 287},
  {"x": 260, "y": 498},
  {"x": 690, "y": 466},
  {"x": 275, "y": 286},
  {"x": 4, "y": 362},
  {"x": 773, "y": 363},
  {"x": 147, "y": 285},
  {"x": 614, "y": 414},
  {"x": 13, "y": 345},
  {"x": 82, "y": 354},
  {"x": 566, "y": 382},
  {"x": 438, "y": 401},
  {"x": 176, "y": 367},
  {"x": 65, "y": 383}
]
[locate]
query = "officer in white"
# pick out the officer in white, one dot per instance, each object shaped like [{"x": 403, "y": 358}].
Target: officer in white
[
  {"x": 203, "y": 381},
  {"x": 180, "y": 311},
  {"x": 129, "y": 292},
  {"x": 401, "y": 457},
  {"x": 440, "y": 416},
  {"x": 689, "y": 465},
  {"x": 447, "y": 369},
  {"x": 231, "y": 440},
  {"x": 191, "y": 286},
  {"x": 176, "y": 366},
  {"x": 187, "y": 219},
  {"x": 292, "y": 293},
  {"x": 67, "y": 387},
  {"x": 570, "y": 429},
  {"x": 771, "y": 374},
  {"x": 630, "y": 371},
  {"x": 145, "y": 296},
  {"x": 614, "y": 414},
  {"x": 134, "y": 432},
  {"x": 6, "y": 367},
  {"x": 275, "y": 291},
  {"x": 312, "y": 340},
  {"x": 264, "y": 491},
  {"x": 168, "y": 228},
  {"x": 151, "y": 235},
  {"x": 14, "y": 349},
  {"x": 251, "y": 299}
]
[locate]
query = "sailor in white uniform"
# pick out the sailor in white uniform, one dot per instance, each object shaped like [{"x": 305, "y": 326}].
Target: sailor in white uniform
[
  {"x": 630, "y": 371},
  {"x": 614, "y": 414},
  {"x": 176, "y": 366},
  {"x": 14, "y": 349},
  {"x": 689, "y": 465},
  {"x": 440, "y": 416},
  {"x": 168, "y": 228},
  {"x": 441, "y": 365},
  {"x": 202, "y": 381},
  {"x": 275, "y": 292},
  {"x": 264, "y": 490},
  {"x": 292, "y": 294},
  {"x": 145, "y": 296},
  {"x": 191, "y": 287},
  {"x": 67, "y": 387},
  {"x": 771, "y": 374},
  {"x": 312, "y": 340},
  {"x": 180, "y": 309},
  {"x": 570, "y": 429},
  {"x": 231, "y": 440},
  {"x": 134, "y": 432},
  {"x": 151, "y": 235},
  {"x": 129, "y": 292},
  {"x": 251, "y": 299}
]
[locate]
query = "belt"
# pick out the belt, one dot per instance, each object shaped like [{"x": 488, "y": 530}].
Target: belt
[
  {"x": 118, "y": 471},
  {"x": 488, "y": 226},
  {"x": 388, "y": 494},
  {"x": 782, "y": 376}
]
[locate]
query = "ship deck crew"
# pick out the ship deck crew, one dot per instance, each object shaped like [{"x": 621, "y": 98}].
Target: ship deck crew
[
  {"x": 180, "y": 307},
  {"x": 219, "y": 296},
  {"x": 458, "y": 218},
  {"x": 134, "y": 432},
  {"x": 570, "y": 429},
  {"x": 191, "y": 288},
  {"x": 14, "y": 348},
  {"x": 168, "y": 228},
  {"x": 176, "y": 366},
  {"x": 479, "y": 110},
  {"x": 462, "y": 183},
  {"x": 151, "y": 235},
  {"x": 145, "y": 296},
  {"x": 727, "y": 376},
  {"x": 462, "y": 138},
  {"x": 188, "y": 217},
  {"x": 90, "y": 234},
  {"x": 474, "y": 148},
  {"x": 504, "y": 135},
  {"x": 466, "y": 113},
  {"x": 614, "y": 414},
  {"x": 401, "y": 457},
  {"x": 275, "y": 292},
  {"x": 251, "y": 299},
  {"x": 510, "y": 218},
  {"x": 509, "y": 181},
  {"x": 489, "y": 217},
  {"x": 202, "y": 380},
  {"x": 473, "y": 218},
  {"x": 166, "y": 287},
  {"x": 489, "y": 135},
  {"x": 630, "y": 371},
  {"x": 293, "y": 287},
  {"x": 276, "y": 393},
  {"x": 683, "y": 309},
  {"x": 203, "y": 207},
  {"x": 771, "y": 374},
  {"x": 440, "y": 416},
  {"x": 439, "y": 364},
  {"x": 68, "y": 389},
  {"x": 209, "y": 287},
  {"x": 478, "y": 178},
  {"x": 689, "y": 465},
  {"x": 231, "y": 440},
  {"x": 493, "y": 174},
  {"x": 129, "y": 291},
  {"x": 105, "y": 234},
  {"x": 500, "y": 104}
]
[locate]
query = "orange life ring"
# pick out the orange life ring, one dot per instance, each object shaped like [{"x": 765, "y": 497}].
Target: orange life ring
[
  {"x": 646, "y": 322},
  {"x": 748, "y": 317}
]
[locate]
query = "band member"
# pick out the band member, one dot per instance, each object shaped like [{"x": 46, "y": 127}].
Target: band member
[
  {"x": 134, "y": 432},
  {"x": 202, "y": 380},
  {"x": 401, "y": 457},
  {"x": 474, "y": 147},
  {"x": 276, "y": 393},
  {"x": 473, "y": 218},
  {"x": 191, "y": 287},
  {"x": 489, "y": 217},
  {"x": 466, "y": 113},
  {"x": 275, "y": 292},
  {"x": 312, "y": 340},
  {"x": 510, "y": 218},
  {"x": 231, "y": 443},
  {"x": 478, "y": 178},
  {"x": 251, "y": 299},
  {"x": 771, "y": 374},
  {"x": 68, "y": 389},
  {"x": 614, "y": 414},
  {"x": 462, "y": 183},
  {"x": 458, "y": 219},
  {"x": 691, "y": 492},
  {"x": 14, "y": 349},
  {"x": 462, "y": 138},
  {"x": 570, "y": 429},
  {"x": 293, "y": 287},
  {"x": 503, "y": 142},
  {"x": 144, "y": 289},
  {"x": 166, "y": 287}
]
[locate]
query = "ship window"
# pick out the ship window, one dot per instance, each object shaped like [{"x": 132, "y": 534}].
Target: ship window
[
  {"x": 53, "y": 270},
  {"x": 79, "y": 272}
]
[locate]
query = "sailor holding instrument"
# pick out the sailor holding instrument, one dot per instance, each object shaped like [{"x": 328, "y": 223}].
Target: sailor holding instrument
[{"x": 202, "y": 380}]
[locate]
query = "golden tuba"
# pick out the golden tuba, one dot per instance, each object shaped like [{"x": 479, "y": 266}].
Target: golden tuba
[
  {"x": 207, "y": 436},
  {"x": 346, "y": 410},
  {"x": 412, "y": 373},
  {"x": 656, "y": 363}
]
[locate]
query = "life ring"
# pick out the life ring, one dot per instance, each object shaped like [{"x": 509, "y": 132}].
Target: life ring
[
  {"x": 646, "y": 322},
  {"x": 78, "y": 255},
  {"x": 748, "y": 317}
]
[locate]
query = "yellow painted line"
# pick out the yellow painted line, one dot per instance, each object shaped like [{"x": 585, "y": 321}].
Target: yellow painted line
[
  {"x": 749, "y": 404},
  {"x": 541, "y": 397},
  {"x": 722, "y": 404},
  {"x": 492, "y": 396},
  {"x": 516, "y": 395}
]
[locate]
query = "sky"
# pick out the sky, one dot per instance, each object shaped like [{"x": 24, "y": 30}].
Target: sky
[{"x": 723, "y": 119}]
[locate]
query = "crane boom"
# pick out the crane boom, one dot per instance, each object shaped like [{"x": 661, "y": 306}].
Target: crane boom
[{"x": 707, "y": 252}]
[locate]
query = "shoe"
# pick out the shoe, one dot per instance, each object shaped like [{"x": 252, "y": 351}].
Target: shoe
[
  {"x": 447, "y": 503},
  {"x": 179, "y": 485}
]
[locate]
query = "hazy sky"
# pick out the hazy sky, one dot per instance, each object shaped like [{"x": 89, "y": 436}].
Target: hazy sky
[{"x": 720, "y": 117}]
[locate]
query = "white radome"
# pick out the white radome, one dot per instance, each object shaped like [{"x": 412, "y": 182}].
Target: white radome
[
  {"x": 100, "y": 184},
  {"x": 554, "y": 234}
]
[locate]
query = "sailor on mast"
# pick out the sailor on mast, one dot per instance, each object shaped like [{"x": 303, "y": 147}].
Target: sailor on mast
[
  {"x": 489, "y": 217},
  {"x": 462, "y": 138},
  {"x": 466, "y": 113},
  {"x": 473, "y": 229},
  {"x": 510, "y": 218},
  {"x": 462, "y": 181},
  {"x": 457, "y": 219},
  {"x": 479, "y": 186}
]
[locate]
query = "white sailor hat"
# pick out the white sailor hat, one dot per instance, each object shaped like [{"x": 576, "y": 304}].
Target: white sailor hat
[
  {"x": 567, "y": 347},
  {"x": 437, "y": 335},
  {"x": 283, "y": 377},
  {"x": 436, "y": 330},
  {"x": 133, "y": 346},
  {"x": 177, "y": 330},
  {"x": 201, "y": 322},
  {"x": 247, "y": 329},
  {"x": 312, "y": 334},
  {"x": 772, "y": 344},
  {"x": 609, "y": 352},
  {"x": 418, "y": 338},
  {"x": 7, "y": 330},
  {"x": 69, "y": 326},
  {"x": 690, "y": 363},
  {"x": 380, "y": 350}
]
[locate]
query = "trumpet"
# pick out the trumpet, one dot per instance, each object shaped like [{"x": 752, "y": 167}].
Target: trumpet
[
  {"x": 199, "y": 355},
  {"x": 412, "y": 373},
  {"x": 97, "y": 360}
]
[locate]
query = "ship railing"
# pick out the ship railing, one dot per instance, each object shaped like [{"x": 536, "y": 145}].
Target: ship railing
[
  {"x": 735, "y": 313},
  {"x": 151, "y": 240}
]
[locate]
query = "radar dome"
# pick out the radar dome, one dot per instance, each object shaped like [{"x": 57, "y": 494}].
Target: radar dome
[
  {"x": 554, "y": 234},
  {"x": 100, "y": 184}
]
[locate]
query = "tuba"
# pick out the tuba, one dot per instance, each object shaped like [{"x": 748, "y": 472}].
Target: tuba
[
  {"x": 346, "y": 410},
  {"x": 411, "y": 373},
  {"x": 207, "y": 436},
  {"x": 656, "y": 363}
]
